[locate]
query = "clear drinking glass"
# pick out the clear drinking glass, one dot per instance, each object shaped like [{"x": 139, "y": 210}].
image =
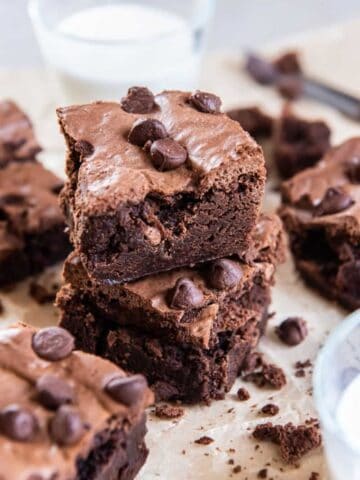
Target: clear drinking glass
[
  {"x": 337, "y": 396},
  {"x": 99, "y": 48}
]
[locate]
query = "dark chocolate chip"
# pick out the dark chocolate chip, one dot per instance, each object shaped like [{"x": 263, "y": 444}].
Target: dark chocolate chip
[
  {"x": 185, "y": 295},
  {"x": 353, "y": 170},
  {"x": 143, "y": 131},
  {"x": 335, "y": 200},
  {"x": 84, "y": 148},
  {"x": 292, "y": 331},
  {"x": 224, "y": 274},
  {"x": 126, "y": 390},
  {"x": 18, "y": 423},
  {"x": 53, "y": 343},
  {"x": 270, "y": 409},
  {"x": 53, "y": 391},
  {"x": 167, "y": 154},
  {"x": 67, "y": 427},
  {"x": 138, "y": 100},
  {"x": 205, "y": 102},
  {"x": 243, "y": 394}
]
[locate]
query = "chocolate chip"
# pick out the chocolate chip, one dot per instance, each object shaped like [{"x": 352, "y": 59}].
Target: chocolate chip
[
  {"x": 353, "y": 170},
  {"x": 167, "y": 154},
  {"x": 67, "y": 426},
  {"x": 18, "y": 423},
  {"x": 53, "y": 343},
  {"x": 138, "y": 100},
  {"x": 143, "y": 131},
  {"x": 225, "y": 274},
  {"x": 185, "y": 295},
  {"x": 53, "y": 391},
  {"x": 126, "y": 390},
  {"x": 270, "y": 409},
  {"x": 243, "y": 394},
  {"x": 292, "y": 331},
  {"x": 84, "y": 148},
  {"x": 205, "y": 102},
  {"x": 335, "y": 200}
]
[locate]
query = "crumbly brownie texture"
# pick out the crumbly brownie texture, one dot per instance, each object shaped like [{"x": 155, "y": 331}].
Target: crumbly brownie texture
[
  {"x": 67, "y": 414},
  {"x": 321, "y": 212},
  {"x": 17, "y": 139},
  {"x": 32, "y": 227},
  {"x": 190, "y": 305},
  {"x": 298, "y": 143},
  {"x": 174, "y": 184},
  {"x": 253, "y": 120}
]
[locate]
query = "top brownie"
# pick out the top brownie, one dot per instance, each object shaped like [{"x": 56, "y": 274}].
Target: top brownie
[
  {"x": 17, "y": 139},
  {"x": 158, "y": 182}
]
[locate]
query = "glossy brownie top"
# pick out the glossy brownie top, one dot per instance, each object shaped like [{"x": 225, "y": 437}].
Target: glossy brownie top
[
  {"x": 183, "y": 153},
  {"x": 17, "y": 138},
  {"x": 54, "y": 400},
  {"x": 329, "y": 193}
]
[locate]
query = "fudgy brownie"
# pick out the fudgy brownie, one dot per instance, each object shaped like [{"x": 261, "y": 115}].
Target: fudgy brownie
[
  {"x": 298, "y": 143},
  {"x": 158, "y": 182},
  {"x": 253, "y": 120},
  {"x": 32, "y": 227},
  {"x": 66, "y": 414},
  {"x": 210, "y": 314},
  {"x": 17, "y": 138},
  {"x": 321, "y": 212}
]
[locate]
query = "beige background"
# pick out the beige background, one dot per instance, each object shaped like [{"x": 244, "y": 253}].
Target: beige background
[{"x": 333, "y": 55}]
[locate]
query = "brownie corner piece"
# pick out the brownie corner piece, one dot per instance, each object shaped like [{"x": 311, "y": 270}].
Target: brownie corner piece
[
  {"x": 68, "y": 414},
  {"x": 321, "y": 213},
  {"x": 157, "y": 187}
]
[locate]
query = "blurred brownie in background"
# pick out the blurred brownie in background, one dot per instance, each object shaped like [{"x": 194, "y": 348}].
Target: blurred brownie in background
[{"x": 253, "y": 120}]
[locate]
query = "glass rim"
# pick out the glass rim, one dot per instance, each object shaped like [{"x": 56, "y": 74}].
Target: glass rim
[
  {"x": 38, "y": 22},
  {"x": 335, "y": 338}
]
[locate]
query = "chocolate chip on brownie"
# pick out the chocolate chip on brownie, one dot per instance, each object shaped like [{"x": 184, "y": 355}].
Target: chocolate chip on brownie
[
  {"x": 292, "y": 331},
  {"x": 53, "y": 391},
  {"x": 18, "y": 423},
  {"x": 335, "y": 200},
  {"x": 84, "y": 148},
  {"x": 146, "y": 130},
  {"x": 167, "y": 154},
  {"x": 138, "y": 100},
  {"x": 126, "y": 390},
  {"x": 225, "y": 273},
  {"x": 205, "y": 102},
  {"x": 185, "y": 295}
]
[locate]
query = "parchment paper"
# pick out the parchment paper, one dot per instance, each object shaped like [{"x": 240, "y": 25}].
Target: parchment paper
[{"x": 331, "y": 54}]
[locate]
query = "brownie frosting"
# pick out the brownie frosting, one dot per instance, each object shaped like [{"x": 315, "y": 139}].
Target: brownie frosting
[
  {"x": 17, "y": 139},
  {"x": 119, "y": 171},
  {"x": 20, "y": 368}
]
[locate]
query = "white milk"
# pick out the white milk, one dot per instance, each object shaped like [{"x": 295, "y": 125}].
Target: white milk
[
  {"x": 348, "y": 415},
  {"x": 99, "y": 52}
]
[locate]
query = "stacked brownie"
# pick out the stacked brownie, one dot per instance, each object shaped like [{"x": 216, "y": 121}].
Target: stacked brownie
[
  {"x": 32, "y": 227},
  {"x": 172, "y": 265}
]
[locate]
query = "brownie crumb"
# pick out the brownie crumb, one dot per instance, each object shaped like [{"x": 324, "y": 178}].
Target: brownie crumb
[
  {"x": 292, "y": 331},
  {"x": 262, "y": 473},
  {"x": 205, "y": 440},
  {"x": 305, "y": 364},
  {"x": 270, "y": 409},
  {"x": 168, "y": 411},
  {"x": 294, "y": 441},
  {"x": 42, "y": 294},
  {"x": 268, "y": 375},
  {"x": 231, "y": 461},
  {"x": 252, "y": 362},
  {"x": 243, "y": 394},
  {"x": 314, "y": 476},
  {"x": 237, "y": 469},
  {"x": 300, "y": 373}
]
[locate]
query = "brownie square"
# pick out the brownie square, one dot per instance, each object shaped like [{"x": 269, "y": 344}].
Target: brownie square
[
  {"x": 177, "y": 184},
  {"x": 32, "y": 227},
  {"x": 321, "y": 213},
  {"x": 298, "y": 143},
  {"x": 68, "y": 414},
  {"x": 17, "y": 138}
]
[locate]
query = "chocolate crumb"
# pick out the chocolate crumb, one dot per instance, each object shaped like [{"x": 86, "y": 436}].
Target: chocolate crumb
[
  {"x": 231, "y": 461},
  {"x": 270, "y": 409},
  {"x": 305, "y": 364},
  {"x": 205, "y": 440},
  {"x": 269, "y": 375},
  {"x": 243, "y": 394},
  {"x": 314, "y": 476},
  {"x": 168, "y": 411},
  {"x": 300, "y": 373},
  {"x": 237, "y": 469},
  {"x": 262, "y": 473}
]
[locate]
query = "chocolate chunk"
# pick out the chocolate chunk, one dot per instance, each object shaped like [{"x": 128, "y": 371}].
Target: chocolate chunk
[
  {"x": 353, "y": 170},
  {"x": 52, "y": 391},
  {"x": 268, "y": 375},
  {"x": 270, "y": 409},
  {"x": 185, "y": 295},
  {"x": 147, "y": 130},
  {"x": 205, "y": 102},
  {"x": 84, "y": 148},
  {"x": 18, "y": 423},
  {"x": 167, "y": 154},
  {"x": 126, "y": 390},
  {"x": 67, "y": 426},
  {"x": 53, "y": 343},
  {"x": 138, "y": 100},
  {"x": 292, "y": 331},
  {"x": 335, "y": 200},
  {"x": 243, "y": 394},
  {"x": 225, "y": 274},
  {"x": 168, "y": 411},
  {"x": 205, "y": 440},
  {"x": 314, "y": 476},
  {"x": 262, "y": 473}
]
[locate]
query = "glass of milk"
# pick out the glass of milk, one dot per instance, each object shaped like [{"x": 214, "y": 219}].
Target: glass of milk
[
  {"x": 337, "y": 396},
  {"x": 99, "y": 48}
]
